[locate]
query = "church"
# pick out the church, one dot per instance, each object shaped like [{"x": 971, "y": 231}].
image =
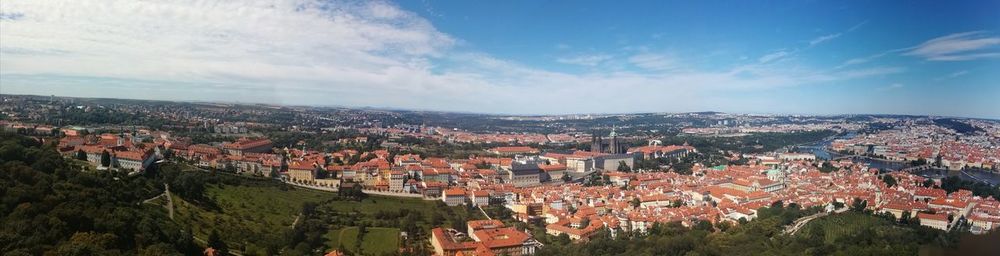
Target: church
[{"x": 609, "y": 145}]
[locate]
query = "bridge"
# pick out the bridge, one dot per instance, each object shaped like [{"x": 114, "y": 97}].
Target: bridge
[
  {"x": 865, "y": 157},
  {"x": 916, "y": 168}
]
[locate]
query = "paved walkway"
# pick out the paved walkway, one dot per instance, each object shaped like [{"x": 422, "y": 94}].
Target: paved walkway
[
  {"x": 801, "y": 222},
  {"x": 170, "y": 200},
  {"x": 484, "y": 212}
]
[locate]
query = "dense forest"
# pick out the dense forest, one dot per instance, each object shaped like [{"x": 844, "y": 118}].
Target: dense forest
[{"x": 51, "y": 208}]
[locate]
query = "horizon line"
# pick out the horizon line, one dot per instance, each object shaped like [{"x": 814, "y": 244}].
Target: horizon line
[{"x": 383, "y": 108}]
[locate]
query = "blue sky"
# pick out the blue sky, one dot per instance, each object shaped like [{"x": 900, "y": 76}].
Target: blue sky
[{"x": 517, "y": 57}]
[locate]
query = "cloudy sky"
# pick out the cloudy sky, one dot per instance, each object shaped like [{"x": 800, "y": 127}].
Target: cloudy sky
[{"x": 521, "y": 57}]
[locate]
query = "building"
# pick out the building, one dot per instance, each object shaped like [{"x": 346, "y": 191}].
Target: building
[
  {"x": 982, "y": 224},
  {"x": 511, "y": 151},
  {"x": 489, "y": 238},
  {"x": 301, "y": 172},
  {"x": 610, "y": 144},
  {"x": 934, "y": 220},
  {"x": 554, "y": 172},
  {"x": 248, "y": 145},
  {"x": 611, "y": 162},
  {"x": 524, "y": 175},
  {"x": 580, "y": 164},
  {"x": 453, "y": 196},
  {"x": 480, "y": 198},
  {"x": 574, "y": 228},
  {"x": 797, "y": 157},
  {"x": 94, "y": 153},
  {"x": 132, "y": 160},
  {"x": 755, "y": 184},
  {"x": 657, "y": 151},
  {"x": 396, "y": 180}
]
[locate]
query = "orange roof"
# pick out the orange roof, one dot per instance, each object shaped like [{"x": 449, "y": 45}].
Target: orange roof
[
  {"x": 936, "y": 216},
  {"x": 131, "y": 155},
  {"x": 552, "y": 167},
  {"x": 501, "y": 237},
  {"x": 247, "y": 143},
  {"x": 482, "y": 224},
  {"x": 454, "y": 192}
]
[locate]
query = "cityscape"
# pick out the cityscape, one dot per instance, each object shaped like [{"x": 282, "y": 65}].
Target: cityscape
[
  {"x": 451, "y": 128},
  {"x": 504, "y": 191}
]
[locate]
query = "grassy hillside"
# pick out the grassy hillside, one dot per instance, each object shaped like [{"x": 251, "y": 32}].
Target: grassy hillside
[
  {"x": 860, "y": 233},
  {"x": 257, "y": 218},
  {"x": 245, "y": 215}
]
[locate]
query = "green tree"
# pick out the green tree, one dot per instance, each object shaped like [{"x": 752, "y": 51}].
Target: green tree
[
  {"x": 859, "y": 205},
  {"x": 80, "y": 155},
  {"x": 889, "y": 180},
  {"x": 838, "y": 205},
  {"x": 105, "y": 159},
  {"x": 215, "y": 242},
  {"x": 677, "y": 203},
  {"x": 563, "y": 239},
  {"x": 905, "y": 217},
  {"x": 459, "y": 223},
  {"x": 635, "y": 202},
  {"x": 87, "y": 243},
  {"x": 623, "y": 167},
  {"x": 436, "y": 219}
]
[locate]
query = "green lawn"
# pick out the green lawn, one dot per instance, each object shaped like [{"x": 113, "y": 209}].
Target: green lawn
[{"x": 377, "y": 241}]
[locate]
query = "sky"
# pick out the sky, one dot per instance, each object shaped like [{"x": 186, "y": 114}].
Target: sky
[{"x": 516, "y": 57}]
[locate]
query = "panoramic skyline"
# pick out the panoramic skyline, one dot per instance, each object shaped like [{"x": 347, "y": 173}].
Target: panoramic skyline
[{"x": 528, "y": 57}]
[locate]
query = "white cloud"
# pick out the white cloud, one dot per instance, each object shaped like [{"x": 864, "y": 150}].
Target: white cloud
[
  {"x": 332, "y": 53},
  {"x": 822, "y": 39},
  {"x": 772, "y": 56},
  {"x": 958, "y": 47},
  {"x": 856, "y": 27},
  {"x": 958, "y": 73},
  {"x": 894, "y": 86},
  {"x": 584, "y": 60},
  {"x": 877, "y": 71},
  {"x": 861, "y": 60},
  {"x": 651, "y": 61},
  {"x": 952, "y": 75}
]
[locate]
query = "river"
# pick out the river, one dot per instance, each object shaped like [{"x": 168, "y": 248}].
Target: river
[{"x": 820, "y": 150}]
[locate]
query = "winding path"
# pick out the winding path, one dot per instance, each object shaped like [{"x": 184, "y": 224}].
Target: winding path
[
  {"x": 170, "y": 200},
  {"x": 801, "y": 222}
]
